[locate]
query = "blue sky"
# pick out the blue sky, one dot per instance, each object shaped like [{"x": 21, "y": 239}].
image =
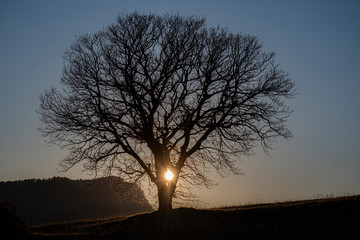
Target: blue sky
[{"x": 317, "y": 43}]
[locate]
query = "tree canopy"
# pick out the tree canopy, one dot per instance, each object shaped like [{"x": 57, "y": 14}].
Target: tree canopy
[{"x": 155, "y": 93}]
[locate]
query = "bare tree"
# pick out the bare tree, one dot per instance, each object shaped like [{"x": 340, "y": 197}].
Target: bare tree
[{"x": 156, "y": 93}]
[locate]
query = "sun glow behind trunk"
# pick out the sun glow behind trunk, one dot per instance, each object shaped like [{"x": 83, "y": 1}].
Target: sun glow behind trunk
[{"x": 169, "y": 175}]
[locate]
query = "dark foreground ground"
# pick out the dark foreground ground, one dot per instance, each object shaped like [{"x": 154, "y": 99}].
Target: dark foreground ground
[{"x": 334, "y": 218}]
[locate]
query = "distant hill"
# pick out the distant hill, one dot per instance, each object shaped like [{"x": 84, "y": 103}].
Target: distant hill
[{"x": 61, "y": 199}]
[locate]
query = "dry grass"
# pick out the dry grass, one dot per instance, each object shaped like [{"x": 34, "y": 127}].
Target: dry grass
[{"x": 333, "y": 218}]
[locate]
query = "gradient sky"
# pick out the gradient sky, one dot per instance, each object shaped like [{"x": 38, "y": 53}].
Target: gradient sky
[{"x": 317, "y": 43}]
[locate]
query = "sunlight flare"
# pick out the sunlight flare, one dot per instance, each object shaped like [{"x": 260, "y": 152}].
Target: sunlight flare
[{"x": 169, "y": 175}]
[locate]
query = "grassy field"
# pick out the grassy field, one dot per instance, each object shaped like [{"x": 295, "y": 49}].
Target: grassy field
[{"x": 332, "y": 218}]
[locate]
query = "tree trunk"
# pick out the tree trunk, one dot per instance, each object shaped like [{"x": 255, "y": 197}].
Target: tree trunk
[{"x": 165, "y": 194}]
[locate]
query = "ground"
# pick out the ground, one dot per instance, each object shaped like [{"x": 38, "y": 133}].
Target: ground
[{"x": 333, "y": 218}]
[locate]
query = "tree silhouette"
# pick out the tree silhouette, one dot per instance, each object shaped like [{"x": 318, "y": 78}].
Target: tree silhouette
[{"x": 155, "y": 93}]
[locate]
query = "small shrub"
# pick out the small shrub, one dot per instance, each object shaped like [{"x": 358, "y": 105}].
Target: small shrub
[{"x": 12, "y": 223}]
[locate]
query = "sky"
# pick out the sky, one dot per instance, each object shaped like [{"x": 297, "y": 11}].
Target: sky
[{"x": 316, "y": 42}]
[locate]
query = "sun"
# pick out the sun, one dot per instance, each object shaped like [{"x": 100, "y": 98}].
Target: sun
[{"x": 169, "y": 175}]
